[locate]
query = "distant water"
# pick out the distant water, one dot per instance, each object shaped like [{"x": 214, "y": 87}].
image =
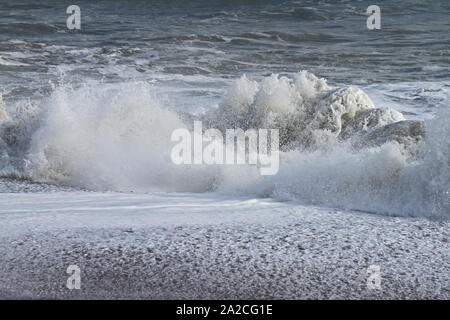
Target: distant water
[
  {"x": 76, "y": 97},
  {"x": 196, "y": 46}
]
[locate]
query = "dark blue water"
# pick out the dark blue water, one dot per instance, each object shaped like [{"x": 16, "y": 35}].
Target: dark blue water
[{"x": 199, "y": 45}]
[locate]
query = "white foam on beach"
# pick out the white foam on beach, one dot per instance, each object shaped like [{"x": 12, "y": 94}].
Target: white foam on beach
[{"x": 205, "y": 246}]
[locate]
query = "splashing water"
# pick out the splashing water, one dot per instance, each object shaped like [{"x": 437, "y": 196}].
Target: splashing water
[{"x": 338, "y": 148}]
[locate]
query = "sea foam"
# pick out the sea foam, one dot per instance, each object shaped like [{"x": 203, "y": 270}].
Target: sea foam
[{"x": 338, "y": 148}]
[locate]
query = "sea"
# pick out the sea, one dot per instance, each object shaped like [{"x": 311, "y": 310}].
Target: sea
[{"x": 363, "y": 114}]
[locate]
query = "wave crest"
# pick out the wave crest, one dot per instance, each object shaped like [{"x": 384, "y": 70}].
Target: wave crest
[{"x": 338, "y": 149}]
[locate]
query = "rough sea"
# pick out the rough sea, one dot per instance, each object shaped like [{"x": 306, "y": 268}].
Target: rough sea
[{"x": 86, "y": 177}]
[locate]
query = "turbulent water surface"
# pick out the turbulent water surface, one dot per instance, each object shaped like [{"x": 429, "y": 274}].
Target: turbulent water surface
[{"x": 363, "y": 114}]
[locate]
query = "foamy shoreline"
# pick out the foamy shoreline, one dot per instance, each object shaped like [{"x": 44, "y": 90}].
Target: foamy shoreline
[{"x": 186, "y": 246}]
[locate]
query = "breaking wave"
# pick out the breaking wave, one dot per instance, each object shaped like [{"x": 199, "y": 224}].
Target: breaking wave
[{"x": 338, "y": 148}]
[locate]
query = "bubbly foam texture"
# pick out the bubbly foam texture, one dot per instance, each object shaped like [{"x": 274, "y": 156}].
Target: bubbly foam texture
[
  {"x": 3, "y": 114},
  {"x": 117, "y": 137},
  {"x": 308, "y": 113},
  {"x": 108, "y": 137}
]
